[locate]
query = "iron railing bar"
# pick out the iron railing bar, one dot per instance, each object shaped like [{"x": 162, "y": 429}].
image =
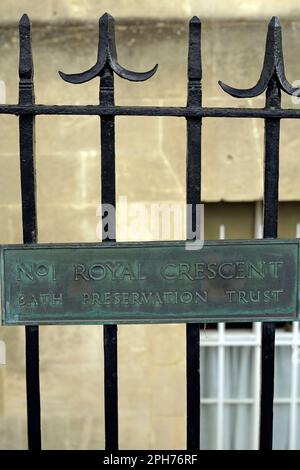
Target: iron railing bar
[
  {"x": 33, "y": 388},
  {"x": 110, "y": 341},
  {"x": 171, "y": 111},
  {"x": 272, "y": 80},
  {"x": 108, "y": 196},
  {"x": 271, "y": 178},
  {"x": 272, "y": 113},
  {"x": 193, "y": 195},
  {"x": 29, "y": 219}
]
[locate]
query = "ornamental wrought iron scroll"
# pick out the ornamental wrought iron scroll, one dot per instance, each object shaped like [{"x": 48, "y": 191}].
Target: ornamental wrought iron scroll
[{"x": 272, "y": 81}]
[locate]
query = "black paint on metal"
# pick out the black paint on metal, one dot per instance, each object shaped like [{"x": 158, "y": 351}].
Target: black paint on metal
[
  {"x": 28, "y": 191},
  {"x": 272, "y": 80},
  {"x": 107, "y": 63},
  {"x": 272, "y": 134},
  {"x": 108, "y": 196},
  {"x": 107, "y": 57},
  {"x": 168, "y": 111},
  {"x": 271, "y": 178},
  {"x": 193, "y": 196},
  {"x": 33, "y": 388}
]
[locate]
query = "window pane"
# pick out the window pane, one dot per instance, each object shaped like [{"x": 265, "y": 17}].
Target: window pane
[
  {"x": 281, "y": 427},
  {"x": 209, "y": 372},
  {"x": 238, "y": 375},
  {"x": 208, "y": 434},
  {"x": 283, "y": 368},
  {"x": 238, "y": 432}
]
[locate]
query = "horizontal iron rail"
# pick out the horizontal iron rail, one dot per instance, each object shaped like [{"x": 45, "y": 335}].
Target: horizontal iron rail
[{"x": 197, "y": 112}]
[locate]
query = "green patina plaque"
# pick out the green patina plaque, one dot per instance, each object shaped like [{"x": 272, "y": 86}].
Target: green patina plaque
[{"x": 150, "y": 282}]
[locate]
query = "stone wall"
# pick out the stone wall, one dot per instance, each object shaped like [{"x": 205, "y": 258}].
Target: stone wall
[{"x": 166, "y": 10}]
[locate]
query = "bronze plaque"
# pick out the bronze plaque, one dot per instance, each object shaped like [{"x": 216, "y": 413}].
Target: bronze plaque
[{"x": 150, "y": 282}]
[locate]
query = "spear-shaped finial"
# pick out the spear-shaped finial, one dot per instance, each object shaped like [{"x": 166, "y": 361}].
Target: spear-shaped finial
[
  {"x": 25, "y": 60},
  {"x": 194, "y": 63},
  {"x": 107, "y": 55},
  {"x": 273, "y": 65},
  {"x": 194, "y": 59}
]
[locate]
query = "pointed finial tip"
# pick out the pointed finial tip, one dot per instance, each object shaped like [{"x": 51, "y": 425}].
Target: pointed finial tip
[
  {"x": 25, "y": 20},
  {"x": 274, "y": 21},
  {"x": 106, "y": 16},
  {"x": 195, "y": 20}
]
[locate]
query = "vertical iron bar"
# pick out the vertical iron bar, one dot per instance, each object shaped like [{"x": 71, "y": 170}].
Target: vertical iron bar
[
  {"x": 108, "y": 196},
  {"x": 193, "y": 196},
  {"x": 271, "y": 177},
  {"x": 105, "y": 66},
  {"x": 28, "y": 191}
]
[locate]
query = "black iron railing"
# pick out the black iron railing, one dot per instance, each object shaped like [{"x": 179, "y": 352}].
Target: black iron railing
[{"x": 272, "y": 80}]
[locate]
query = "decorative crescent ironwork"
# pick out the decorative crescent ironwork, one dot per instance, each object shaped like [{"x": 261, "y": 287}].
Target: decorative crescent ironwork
[
  {"x": 107, "y": 56},
  {"x": 273, "y": 65}
]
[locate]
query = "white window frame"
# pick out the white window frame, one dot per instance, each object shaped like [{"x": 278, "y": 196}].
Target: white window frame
[{"x": 222, "y": 338}]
